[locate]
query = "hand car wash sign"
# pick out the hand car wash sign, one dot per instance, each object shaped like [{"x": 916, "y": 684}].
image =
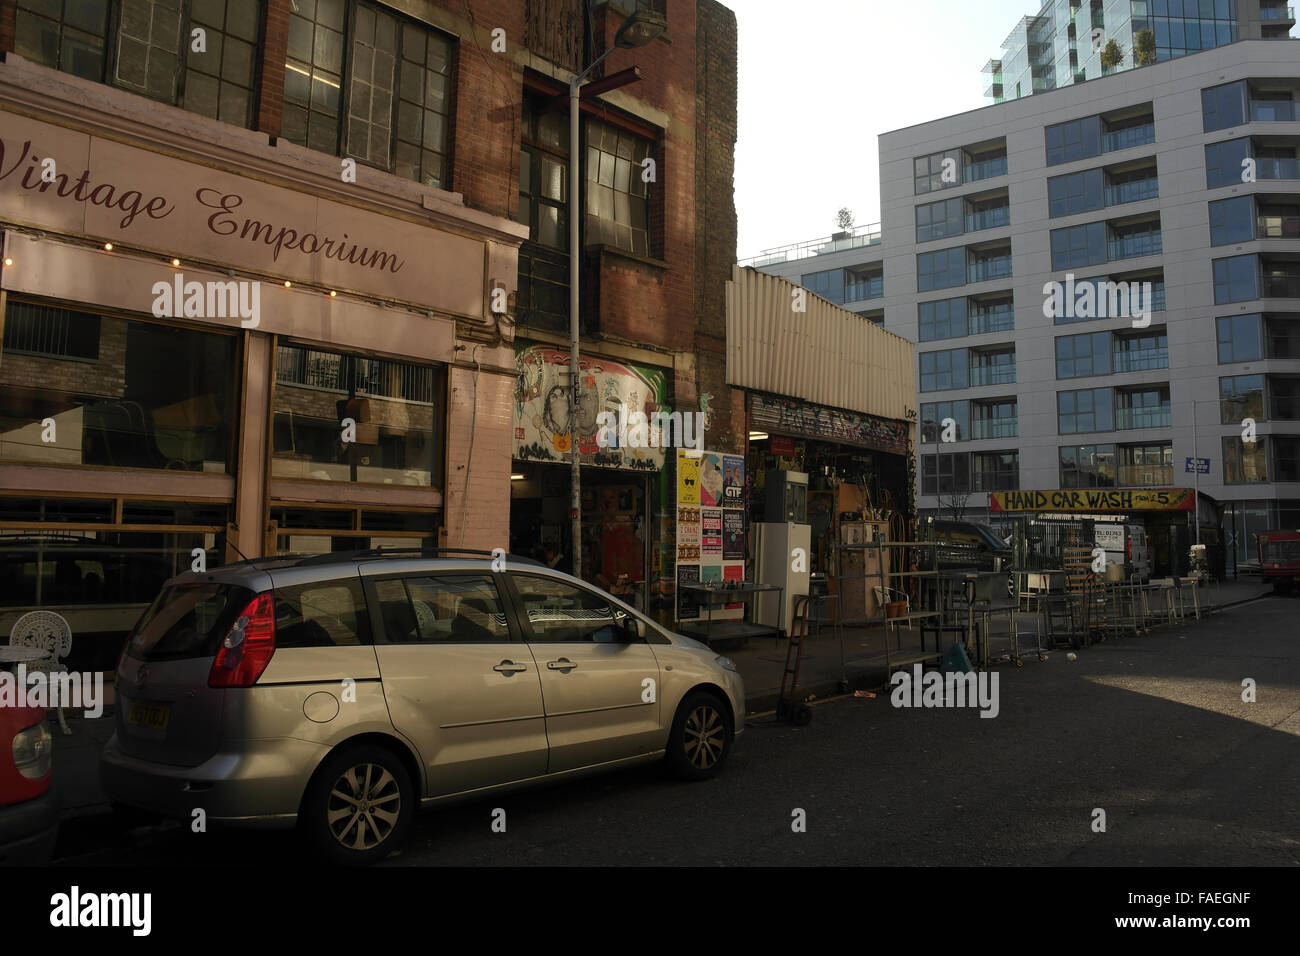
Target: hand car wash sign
[{"x": 1093, "y": 500}]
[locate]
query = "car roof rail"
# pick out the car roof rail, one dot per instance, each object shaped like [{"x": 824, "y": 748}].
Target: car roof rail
[{"x": 366, "y": 554}]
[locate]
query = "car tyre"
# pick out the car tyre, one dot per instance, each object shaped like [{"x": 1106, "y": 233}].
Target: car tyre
[
  {"x": 701, "y": 738},
  {"x": 358, "y": 807}
]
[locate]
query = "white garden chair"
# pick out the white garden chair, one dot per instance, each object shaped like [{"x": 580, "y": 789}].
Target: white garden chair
[{"x": 49, "y": 632}]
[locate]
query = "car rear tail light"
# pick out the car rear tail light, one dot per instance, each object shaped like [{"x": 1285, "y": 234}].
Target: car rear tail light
[
  {"x": 33, "y": 752},
  {"x": 247, "y": 647}
]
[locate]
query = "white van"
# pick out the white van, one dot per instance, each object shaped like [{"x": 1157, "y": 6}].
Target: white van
[{"x": 1126, "y": 549}]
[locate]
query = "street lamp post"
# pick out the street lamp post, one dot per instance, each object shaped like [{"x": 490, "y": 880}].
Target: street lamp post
[{"x": 637, "y": 30}]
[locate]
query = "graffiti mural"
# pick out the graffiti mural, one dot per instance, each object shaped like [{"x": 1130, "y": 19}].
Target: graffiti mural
[{"x": 541, "y": 417}]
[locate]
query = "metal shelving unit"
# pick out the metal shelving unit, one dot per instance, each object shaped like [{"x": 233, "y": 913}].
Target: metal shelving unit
[{"x": 897, "y": 657}]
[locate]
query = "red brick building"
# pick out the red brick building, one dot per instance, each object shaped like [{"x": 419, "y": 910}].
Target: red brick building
[{"x": 369, "y": 178}]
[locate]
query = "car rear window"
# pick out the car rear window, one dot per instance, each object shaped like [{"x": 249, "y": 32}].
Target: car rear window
[{"x": 188, "y": 620}]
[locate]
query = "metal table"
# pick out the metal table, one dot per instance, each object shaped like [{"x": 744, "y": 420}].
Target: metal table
[
  {"x": 716, "y": 595},
  {"x": 11, "y": 655}
]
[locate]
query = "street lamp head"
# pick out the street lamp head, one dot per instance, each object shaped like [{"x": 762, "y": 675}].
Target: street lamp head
[{"x": 640, "y": 28}]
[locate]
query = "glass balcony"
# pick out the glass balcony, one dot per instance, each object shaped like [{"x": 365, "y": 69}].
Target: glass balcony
[
  {"x": 1145, "y": 476},
  {"x": 1133, "y": 245},
  {"x": 994, "y": 428},
  {"x": 1282, "y": 287},
  {"x": 1158, "y": 298},
  {"x": 1279, "y": 227},
  {"x": 988, "y": 218},
  {"x": 990, "y": 320},
  {"x": 992, "y": 375},
  {"x": 985, "y": 169},
  {"x": 996, "y": 480},
  {"x": 1146, "y": 417},
  {"x": 1277, "y": 169},
  {"x": 1141, "y": 360},
  {"x": 1128, "y": 138},
  {"x": 1273, "y": 111},
  {"x": 1135, "y": 191},
  {"x": 872, "y": 288},
  {"x": 982, "y": 269},
  {"x": 1277, "y": 13}
]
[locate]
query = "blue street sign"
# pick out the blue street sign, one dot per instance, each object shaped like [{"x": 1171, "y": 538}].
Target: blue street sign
[{"x": 1199, "y": 465}]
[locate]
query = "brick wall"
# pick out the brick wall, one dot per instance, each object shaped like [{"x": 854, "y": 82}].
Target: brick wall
[{"x": 275, "y": 33}]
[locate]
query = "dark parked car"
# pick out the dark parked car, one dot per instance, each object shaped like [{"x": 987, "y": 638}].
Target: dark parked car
[{"x": 29, "y": 809}]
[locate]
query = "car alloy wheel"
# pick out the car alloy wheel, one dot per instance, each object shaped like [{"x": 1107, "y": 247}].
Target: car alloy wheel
[
  {"x": 705, "y": 736},
  {"x": 363, "y": 807}
]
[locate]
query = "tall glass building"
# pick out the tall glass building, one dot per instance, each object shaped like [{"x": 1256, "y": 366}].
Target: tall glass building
[{"x": 1062, "y": 44}]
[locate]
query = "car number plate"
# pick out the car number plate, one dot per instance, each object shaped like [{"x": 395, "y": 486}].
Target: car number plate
[{"x": 151, "y": 716}]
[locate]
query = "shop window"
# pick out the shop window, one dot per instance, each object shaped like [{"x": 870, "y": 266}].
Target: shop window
[
  {"x": 397, "y": 78},
  {"x": 393, "y": 410},
  {"x": 152, "y": 48},
  {"x": 618, "y": 198},
  {"x": 115, "y": 410}
]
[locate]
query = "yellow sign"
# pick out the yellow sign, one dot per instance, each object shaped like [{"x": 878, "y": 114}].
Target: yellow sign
[
  {"x": 1093, "y": 499},
  {"x": 688, "y": 479}
]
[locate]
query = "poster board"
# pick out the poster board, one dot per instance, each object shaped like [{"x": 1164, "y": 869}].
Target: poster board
[{"x": 711, "y": 528}]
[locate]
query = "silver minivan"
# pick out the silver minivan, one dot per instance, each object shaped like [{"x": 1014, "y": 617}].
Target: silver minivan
[{"x": 339, "y": 691}]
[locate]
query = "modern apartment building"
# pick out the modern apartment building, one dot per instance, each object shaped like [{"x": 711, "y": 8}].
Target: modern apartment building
[
  {"x": 1185, "y": 175},
  {"x": 1062, "y": 44}
]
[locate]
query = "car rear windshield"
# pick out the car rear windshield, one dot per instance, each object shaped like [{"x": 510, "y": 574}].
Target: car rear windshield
[{"x": 188, "y": 620}]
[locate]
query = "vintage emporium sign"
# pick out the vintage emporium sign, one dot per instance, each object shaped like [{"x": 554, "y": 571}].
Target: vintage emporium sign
[
  {"x": 65, "y": 180},
  {"x": 1093, "y": 499},
  {"x": 793, "y": 417}
]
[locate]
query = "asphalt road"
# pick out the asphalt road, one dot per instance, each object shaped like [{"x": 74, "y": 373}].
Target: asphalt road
[{"x": 1152, "y": 730}]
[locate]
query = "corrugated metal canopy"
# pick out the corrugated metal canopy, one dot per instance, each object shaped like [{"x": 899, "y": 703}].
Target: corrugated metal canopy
[{"x": 825, "y": 354}]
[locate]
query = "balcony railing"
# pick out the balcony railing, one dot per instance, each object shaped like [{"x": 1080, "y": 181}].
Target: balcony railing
[
  {"x": 990, "y": 320},
  {"x": 1282, "y": 287},
  {"x": 1134, "y": 245},
  {"x": 868, "y": 235},
  {"x": 1279, "y": 227},
  {"x": 982, "y": 269},
  {"x": 994, "y": 428},
  {"x": 1277, "y": 13},
  {"x": 1128, "y": 138},
  {"x": 1141, "y": 360},
  {"x": 1135, "y": 191},
  {"x": 1277, "y": 169},
  {"x": 984, "y": 169},
  {"x": 872, "y": 288},
  {"x": 1153, "y": 417},
  {"x": 1145, "y": 476},
  {"x": 988, "y": 218},
  {"x": 996, "y": 480},
  {"x": 1158, "y": 298},
  {"x": 992, "y": 375},
  {"x": 1273, "y": 111}
]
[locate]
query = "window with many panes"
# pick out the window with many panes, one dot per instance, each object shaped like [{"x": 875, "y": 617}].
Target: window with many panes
[
  {"x": 1232, "y": 220},
  {"x": 1086, "y": 410},
  {"x": 1086, "y": 354},
  {"x": 1240, "y": 338},
  {"x": 376, "y": 89},
  {"x": 933, "y": 415},
  {"x": 1088, "y": 466},
  {"x": 1236, "y": 279},
  {"x": 618, "y": 197},
  {"x": 942, "y": 319},
  {"x": 1078, "y": 139},
  {"x": 1224, "y": 163},
  {"x": 1241, "y": 396},
  {"x": 1146, "y": 466},
  {"x": 940, "y": 270},
  {"x": 945, "y": 474},
  {"x": 995, "y": 471},
  {"x": 148, "y": 47},
  {"x": 1245, "y": 462},
  {"x": 937, "y": 220},
  {"x": 1082, "y": 245},
  {"x": 1075, "y": 193},
  {"x": 937, "y": 171},
  {"x": 829, "y": 284},
  {"x": 941, "y": 370}
]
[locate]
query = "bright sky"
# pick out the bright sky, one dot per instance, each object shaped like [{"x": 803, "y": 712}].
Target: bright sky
[{"x": 820, "y": 79}]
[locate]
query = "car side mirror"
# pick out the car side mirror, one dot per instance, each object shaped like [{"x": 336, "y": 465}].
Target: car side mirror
[{"x": 632, "y": 628}]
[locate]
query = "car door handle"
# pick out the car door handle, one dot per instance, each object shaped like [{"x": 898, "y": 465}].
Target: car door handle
[
  {"x": 510, "y": 667},
  {"x": 563, "y": 664}
]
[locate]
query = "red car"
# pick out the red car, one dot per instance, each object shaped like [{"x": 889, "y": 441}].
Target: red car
[{"x": 29, "y": 809}]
